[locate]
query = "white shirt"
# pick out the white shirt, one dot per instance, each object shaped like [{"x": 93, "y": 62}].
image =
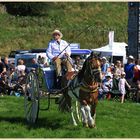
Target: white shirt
[
  {"x": 54, "y": 49},
  {"x": 107, "y": 85},
  {"x": 20, "y": 69}
]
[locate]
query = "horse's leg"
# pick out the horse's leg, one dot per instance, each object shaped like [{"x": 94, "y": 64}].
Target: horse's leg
[
  {"x": 93, "y": 106},
  {"x": 90, "y": 119},
  {"x": 84, "y": 117},
  {"x": 93, "y": 113},
  {"x": 83, "y": 103}
]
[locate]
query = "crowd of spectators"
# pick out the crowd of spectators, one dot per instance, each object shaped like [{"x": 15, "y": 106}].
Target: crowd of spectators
[
  {"x": 11, "y": 76},
  {"x": 127, "y": 75}
]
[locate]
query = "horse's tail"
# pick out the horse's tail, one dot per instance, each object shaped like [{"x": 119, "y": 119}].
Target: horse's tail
[{"x": 64, "y": 102}]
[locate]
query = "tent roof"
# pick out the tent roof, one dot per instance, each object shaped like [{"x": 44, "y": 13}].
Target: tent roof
[{"x": 117, "y": 49}]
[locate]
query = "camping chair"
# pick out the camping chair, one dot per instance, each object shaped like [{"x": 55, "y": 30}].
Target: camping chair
[{"x": 115, "y": 93}]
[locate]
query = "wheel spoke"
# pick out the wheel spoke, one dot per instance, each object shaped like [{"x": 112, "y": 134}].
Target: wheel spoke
[{"x": 76, "y": 110}]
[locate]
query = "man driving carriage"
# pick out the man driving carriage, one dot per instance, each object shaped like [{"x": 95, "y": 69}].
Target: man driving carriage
[{"x": 59, "y": 53}]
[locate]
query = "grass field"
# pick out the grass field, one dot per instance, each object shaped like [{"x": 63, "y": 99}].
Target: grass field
[{"x": 113, "y": 120}]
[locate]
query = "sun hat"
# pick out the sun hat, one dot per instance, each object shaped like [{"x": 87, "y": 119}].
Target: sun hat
[
  {"x": 108, "y": 75},
  {"x": 123, "y": 73},
  {"x": 57, "y": 32},
  {"x": 130, "y": 57},
  {"x": 104, "y": 58},
  {"x": 112, "y": 64}
]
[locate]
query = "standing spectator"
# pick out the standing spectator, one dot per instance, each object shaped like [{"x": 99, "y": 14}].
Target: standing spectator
[
  {"x": 137, "y": 71},
  {"x": 112, "y": 68},
  {"x": 118, "y": 69},
  {"x": 137, "y": 79},
  {"x": 56, "y": 47},
  {"x": 129, "y": 69},
  {"x": 105, "y": 66},
  {"x": 122, "y": 84}
]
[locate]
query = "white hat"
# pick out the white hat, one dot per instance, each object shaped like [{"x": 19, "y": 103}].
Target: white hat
[
  {"x": 104, "y": 58},
  {"x": 58, "y": 32},
  {"x": 130, "y": 57},
  {"x": 108, "y": 75},
  {"x": 123, "y": 73}
]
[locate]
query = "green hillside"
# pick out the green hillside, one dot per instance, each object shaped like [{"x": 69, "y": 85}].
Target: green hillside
[{"x": 25, "y": 32}]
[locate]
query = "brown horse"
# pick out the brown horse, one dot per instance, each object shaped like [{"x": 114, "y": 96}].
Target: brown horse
[
  {"x": 87, "y": 80},
  {"x": 88, "y": 93}
]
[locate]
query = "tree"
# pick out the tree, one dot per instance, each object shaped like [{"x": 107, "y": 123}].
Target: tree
[{"x": 26, "y": 8}]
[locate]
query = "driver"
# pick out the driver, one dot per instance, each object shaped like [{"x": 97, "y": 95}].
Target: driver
[{"x": 57, "y": 55}]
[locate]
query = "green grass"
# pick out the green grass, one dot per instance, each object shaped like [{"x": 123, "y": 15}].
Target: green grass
[
  {"x": 26, "y": 32},
  {"x": 113, "y": 120}
]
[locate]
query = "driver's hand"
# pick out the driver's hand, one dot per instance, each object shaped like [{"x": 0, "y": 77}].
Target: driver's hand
[
  {"x": 54, "y": 58},
  {"x": 66, "y": 54}
]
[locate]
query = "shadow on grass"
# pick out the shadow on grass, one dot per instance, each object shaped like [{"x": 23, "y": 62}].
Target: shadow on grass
[{"x": 41, "y": 123}]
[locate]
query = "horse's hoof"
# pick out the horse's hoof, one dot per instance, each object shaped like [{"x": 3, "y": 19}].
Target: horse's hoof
[
  {"x": 92, "y": 126},
  {"x": 85, "y": 125},
  {"x": 75, "y": 124}
]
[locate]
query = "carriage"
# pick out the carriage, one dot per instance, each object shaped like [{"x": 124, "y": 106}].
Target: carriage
[{"x": 43, "y": 82}]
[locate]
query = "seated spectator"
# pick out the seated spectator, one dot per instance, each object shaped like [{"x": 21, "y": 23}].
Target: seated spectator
[
  {"x": 40, "y": 59},
  {"x": 106, "y": 85},
  {"x": 35, "y": 65},
  {"x": 118, "y": 69},
  {"x": 122, "y": 84},
  {"x": 6, "y": 63},
  {"x": 20, "y": 69},
  {"x": 2, "y": 67},
  {"x": 77, "y": 63},
  {"x": 11, "y": 75}
]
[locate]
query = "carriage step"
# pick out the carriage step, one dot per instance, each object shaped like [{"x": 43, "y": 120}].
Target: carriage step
[
  {"x": 52, "y": 96},
  {"x": 55, "y": 96}
]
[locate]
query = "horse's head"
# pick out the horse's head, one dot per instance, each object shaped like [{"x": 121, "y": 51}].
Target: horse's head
[
  {"x": 95, "y": 63},
  {"x": 93, "y": 68}
]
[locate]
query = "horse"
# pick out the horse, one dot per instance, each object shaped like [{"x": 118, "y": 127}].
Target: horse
[{"x": 87, "y": 82}]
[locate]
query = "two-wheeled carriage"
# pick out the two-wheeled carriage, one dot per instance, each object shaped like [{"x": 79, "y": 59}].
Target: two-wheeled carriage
[{"x": 42, "y": 81}]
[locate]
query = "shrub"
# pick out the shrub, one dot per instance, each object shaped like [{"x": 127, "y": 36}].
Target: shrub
[{"x": 26, "y": 8}]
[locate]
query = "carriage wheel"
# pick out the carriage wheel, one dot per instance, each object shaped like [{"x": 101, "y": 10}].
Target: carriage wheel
[
  {"x": 31, "y": 98},
  {"x": 76, "y": 111}
]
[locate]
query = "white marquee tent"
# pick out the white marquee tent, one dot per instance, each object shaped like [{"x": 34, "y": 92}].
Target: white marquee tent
[{"x": 116, "y": 49}]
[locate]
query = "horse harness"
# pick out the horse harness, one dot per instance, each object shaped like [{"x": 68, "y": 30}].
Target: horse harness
[{"x": 93, "y": 74}]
